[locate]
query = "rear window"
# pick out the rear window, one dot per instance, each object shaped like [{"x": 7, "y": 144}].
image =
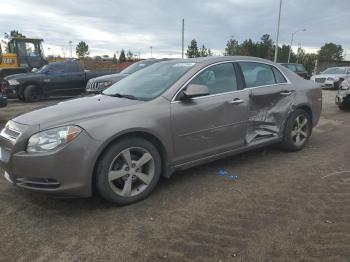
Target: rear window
[
  {"x": 278, "y": 75},
  {"x": 257, "y": 74}
]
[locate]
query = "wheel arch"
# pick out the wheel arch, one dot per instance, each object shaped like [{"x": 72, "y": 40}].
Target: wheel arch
[
  {"x": 133, "y": 133},
  {"x": 307, "y": 109}
]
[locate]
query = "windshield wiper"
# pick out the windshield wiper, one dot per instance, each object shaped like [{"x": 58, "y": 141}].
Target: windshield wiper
[{"x": 124, "y": 96}]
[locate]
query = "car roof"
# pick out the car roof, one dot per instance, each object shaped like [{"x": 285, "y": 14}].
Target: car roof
[{"x": 214, "y": 59}]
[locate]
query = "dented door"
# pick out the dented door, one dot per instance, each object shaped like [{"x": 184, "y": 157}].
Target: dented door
[{"x": 271, "y": 100}]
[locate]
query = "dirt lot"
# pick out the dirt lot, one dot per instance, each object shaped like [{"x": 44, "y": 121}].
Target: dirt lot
[{"x": 281, "y": 208}]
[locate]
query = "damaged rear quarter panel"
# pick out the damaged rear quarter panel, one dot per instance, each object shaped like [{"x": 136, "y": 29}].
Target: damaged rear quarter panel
[{"x": 269, "y": 110}]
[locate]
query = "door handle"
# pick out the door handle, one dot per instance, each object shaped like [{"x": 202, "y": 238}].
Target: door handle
[
  {"x": 285, "y": 93},
  {"x": 236, "y": 101}
]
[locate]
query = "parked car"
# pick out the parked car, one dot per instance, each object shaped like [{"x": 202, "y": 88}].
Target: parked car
[
  {"x": 170, "y": 116},
  {"x": 56, "y": 78},
  {"x": 331, "y": 77},
  {"x": 3, "y": 98},
  {"x": 98, "y": 84},
  {"x": 299, "y": 69},
  {"x": 342, "y": 98}
]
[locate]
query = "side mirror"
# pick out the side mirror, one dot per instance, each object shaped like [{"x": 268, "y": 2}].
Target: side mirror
[{"x": 193, "y": 91}]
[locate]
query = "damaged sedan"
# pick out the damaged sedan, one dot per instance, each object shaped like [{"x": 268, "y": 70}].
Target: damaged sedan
[
  {"x": 169, "y": 116},
  {"x": 342, "y": 99}
]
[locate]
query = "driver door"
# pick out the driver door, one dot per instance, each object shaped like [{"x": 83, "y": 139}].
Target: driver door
[{"x": 211, "y": 124}]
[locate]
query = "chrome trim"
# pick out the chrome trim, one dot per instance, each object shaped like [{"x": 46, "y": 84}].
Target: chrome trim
[
  {"x": 224, "y": 62},
  {"x": 8, "y": 136},
  {"x": 7, "y": 177}
]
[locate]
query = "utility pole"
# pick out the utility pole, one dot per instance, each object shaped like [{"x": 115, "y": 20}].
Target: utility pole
[
  {"x": 71, "y": 51},
  {"x": 151, "y": 47},
  {"x": 183, "y": 38},
  {"x": 278, "y": 31}
]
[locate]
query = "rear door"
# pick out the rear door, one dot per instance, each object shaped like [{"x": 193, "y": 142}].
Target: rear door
[
  {"x": 271, "y": 100},
  {"x": 214, "y": 123}
]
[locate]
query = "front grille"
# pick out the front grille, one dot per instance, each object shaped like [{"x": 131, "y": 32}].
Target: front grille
[
  {"x": 10, "y": 133},
  {"x": 43, "y": 183},
  {"x": 320, "y": 80},
  {"x": 92, "y": 86}
]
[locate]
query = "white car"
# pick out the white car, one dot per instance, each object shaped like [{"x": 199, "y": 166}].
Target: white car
[{"x": 332, "y": 77}]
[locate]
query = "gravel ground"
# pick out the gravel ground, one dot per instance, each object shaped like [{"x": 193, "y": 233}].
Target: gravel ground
[{"x": 281, "y": 208}]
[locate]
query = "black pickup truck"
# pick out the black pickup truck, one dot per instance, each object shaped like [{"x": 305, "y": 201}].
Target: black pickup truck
[{"x": 58, "y": 78}]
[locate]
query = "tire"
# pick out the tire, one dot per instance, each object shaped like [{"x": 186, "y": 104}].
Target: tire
[
  {"x": 296, "y": 134},
  {"x": 32, "y": 93},
  {"x": 344, "y": 107},
  {"x": 120, "y": 181}
]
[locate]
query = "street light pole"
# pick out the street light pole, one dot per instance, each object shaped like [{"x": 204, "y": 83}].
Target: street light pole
[
  {"x": 151, "y": 47},
  {"x": 291, "y": 42},
  {"x": 278, "y": 31}
]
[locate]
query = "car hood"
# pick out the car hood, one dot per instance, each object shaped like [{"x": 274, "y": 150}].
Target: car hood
[
  {"x": 114, "y": 78},
  {"x": 75, "y": 110},
  {"x": 329, "y": 75},
  {"x": 22, "y": 76}
]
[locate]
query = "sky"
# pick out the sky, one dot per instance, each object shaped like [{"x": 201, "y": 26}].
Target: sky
[{"x": 107, "y": 26}]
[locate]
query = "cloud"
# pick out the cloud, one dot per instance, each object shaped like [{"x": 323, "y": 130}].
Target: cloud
[{"x": 110, "y": 25}]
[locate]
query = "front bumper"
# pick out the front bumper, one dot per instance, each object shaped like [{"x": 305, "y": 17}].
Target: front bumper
[
  {"x": 63, "y": 172},
  {"x": 342, "y": 98},
  {"x": 11, "y": 91}
]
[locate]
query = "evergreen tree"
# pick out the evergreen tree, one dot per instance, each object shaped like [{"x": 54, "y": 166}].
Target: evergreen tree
[
  {"x": 122, "y": 57},
  {"x": 192, "y": 50}
]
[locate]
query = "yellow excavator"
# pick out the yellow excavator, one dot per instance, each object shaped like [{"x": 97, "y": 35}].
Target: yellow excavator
[{"x": 20, "y": 55}]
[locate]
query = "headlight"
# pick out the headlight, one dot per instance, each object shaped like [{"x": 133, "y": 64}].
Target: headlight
[
  {"x": 105, "y": 83},
  {"x": 345, "y": 86},
  {"x": 13, "y": 82},
  {"x": 330, "y": 79},
  {"x": 52, "y": 138}
]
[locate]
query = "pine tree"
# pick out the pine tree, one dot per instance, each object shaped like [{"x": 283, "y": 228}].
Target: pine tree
[
  {"x": 122, "y": 57},
  {"x": 192, "y": 50}
]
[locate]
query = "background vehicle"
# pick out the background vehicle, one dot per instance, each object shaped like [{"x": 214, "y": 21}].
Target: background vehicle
[
  {"x": 23, "y": 54},
  {"x": 332, "y": 77},
  {"x": 98, "y": 84},
  {"x": 342, "y": 98},
  {"x": 3, "y": 98},
  {"x": 298, "y": 69},
  {"x": 57, "y": 78},
  {"x": 170, "y": 116}
]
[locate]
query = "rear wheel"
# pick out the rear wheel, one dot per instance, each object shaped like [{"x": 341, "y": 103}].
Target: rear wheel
[
  {"x": 32, "y": 93},
  {"x": 297, "y": 130},
  {"x": 128, "y": 171}
]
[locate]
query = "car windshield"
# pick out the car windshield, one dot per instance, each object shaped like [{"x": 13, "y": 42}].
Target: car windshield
[
  {"x": 151, "y": 82},
  {"x": 136, "y": 67},
  {"x": 300, "y": 68},
  {"x": 334, "y": 71},
  {"x": 43, "y": 69}
]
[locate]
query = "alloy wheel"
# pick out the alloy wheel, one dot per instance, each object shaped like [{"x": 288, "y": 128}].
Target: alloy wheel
[
  {"x": 300, "y": 131},
  {"x": 131, "y": 171}
]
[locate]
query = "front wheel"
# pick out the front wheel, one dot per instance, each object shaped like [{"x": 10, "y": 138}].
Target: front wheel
[
  {"x": 128, "y": 171},
  {"x": 297, "y": 131},
  {"x": 32, "y": 93}
]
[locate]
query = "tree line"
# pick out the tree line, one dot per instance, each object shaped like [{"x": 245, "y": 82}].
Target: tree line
[{"x": 265, "y": 47}]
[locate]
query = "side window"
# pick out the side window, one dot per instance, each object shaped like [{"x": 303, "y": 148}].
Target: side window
[
  {"x": 56, "y": 67},
  {"x": 73, "y": 67},
  {"x": 256, "y": 74},
  {"x": 279, "y": 77},
  {"x": 218, "y": 78}
]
